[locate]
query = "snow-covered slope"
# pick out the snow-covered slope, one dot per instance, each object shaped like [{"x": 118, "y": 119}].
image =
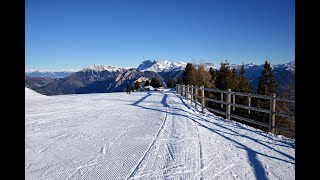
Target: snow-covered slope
[
  {"x": 32, "y": 94},
  {"x": 145, "y": 136},
  {"x": 290, "y": 66},
  {"x": 159, "y": 66}
]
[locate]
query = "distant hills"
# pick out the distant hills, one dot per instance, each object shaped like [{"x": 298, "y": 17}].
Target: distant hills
[{"x": 104, "y": 78}]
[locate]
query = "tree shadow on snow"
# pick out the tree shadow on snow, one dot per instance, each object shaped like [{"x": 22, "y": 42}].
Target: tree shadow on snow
[
  {"x": 252, "y": 154},
  {"x": 142, "y": 99},
  {"x": 258, "y": 132}
]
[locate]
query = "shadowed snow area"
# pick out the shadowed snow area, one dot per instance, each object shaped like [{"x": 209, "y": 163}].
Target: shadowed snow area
[{"x": 145, "y": 135}]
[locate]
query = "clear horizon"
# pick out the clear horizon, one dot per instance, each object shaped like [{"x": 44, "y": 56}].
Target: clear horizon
[{"x": 62, "y": 35}]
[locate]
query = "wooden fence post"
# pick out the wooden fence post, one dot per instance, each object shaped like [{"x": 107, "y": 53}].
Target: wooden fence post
[
  {"x": 202, "y": 98},
  {"x": 234, "y": 102},
  {"x": 228, "y": 107},
  {"x": 272, "y": 116},
  {"x": 188, "y": 92},
  {"x": 191, "y": 93},
  {"x": 196, "y": 96},
  {"x": 249, "y": 103},
  {"x": 221, "y": 99},
  {"x": 177, "y": 88},
  {"x": 183, "y": 90}
]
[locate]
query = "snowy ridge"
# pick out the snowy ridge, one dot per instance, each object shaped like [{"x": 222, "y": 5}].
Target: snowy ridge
[
  {"x": 207, "y": 66},
  {"x": 157, "y": 66},
  {"x": 101, "y": 67},
  {"x": 287, "y": 66},
  {"x": 49, "y": 71},
  {"x": 160, "y": 66}
]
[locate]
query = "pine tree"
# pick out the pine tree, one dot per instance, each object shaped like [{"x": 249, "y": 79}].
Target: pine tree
[
  {"x": 170, "y": 83},
  {"x": 189, "y": 74},
  {"x": 155, "y": 82},
  {"x": 213, "y": 74},
  {"x": 203, "y": 77},
  {"x": 223, "y": 80},
  {"x": 267, "y": 82},
  {"x": 234, "y": 79},
  {"x": 242, "y": 71},
  {"x": 244, "y": 86},
  {"x": 147, "y": 83}
]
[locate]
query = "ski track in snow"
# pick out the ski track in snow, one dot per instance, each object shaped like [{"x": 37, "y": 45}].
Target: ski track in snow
[{"x": 145, "y": 135}]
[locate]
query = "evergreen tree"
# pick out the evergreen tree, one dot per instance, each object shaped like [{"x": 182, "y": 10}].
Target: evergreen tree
[
  {"x": 147, "y": 83},
  {"x": 224, "y": 80},
  {"x": 203, "y": 77},
  {"x": 242, "y": 71},
  {"x": 267, "y": 82},
  {"x": 189, "y": 74},
  {"x": 234, "y": 79},
  {"x": 244, "y": 86},
  {"x": 213, "y": 74},
  {"x": 155, "y": 82},
  {"x": 170, "y": 83}
]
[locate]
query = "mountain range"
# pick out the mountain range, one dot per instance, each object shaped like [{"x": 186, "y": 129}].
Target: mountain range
[{"x": 104, "y": 78}]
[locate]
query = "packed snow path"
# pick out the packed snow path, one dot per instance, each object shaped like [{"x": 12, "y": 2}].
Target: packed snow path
[{"x": 145, "y": 135}]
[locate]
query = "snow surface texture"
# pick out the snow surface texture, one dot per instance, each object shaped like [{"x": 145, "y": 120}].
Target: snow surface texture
[
  {"x": 145, "y": 135},
  {"x": 30, "y": 94}
]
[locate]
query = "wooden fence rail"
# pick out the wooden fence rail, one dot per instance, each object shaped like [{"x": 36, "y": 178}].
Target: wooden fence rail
[{"x": 194, "y": 96}]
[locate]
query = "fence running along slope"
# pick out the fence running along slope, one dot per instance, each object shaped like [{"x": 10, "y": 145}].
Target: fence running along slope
[{"x": 191, "y": 93}]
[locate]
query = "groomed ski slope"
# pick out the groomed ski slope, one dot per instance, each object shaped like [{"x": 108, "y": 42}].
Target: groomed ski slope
[{"x": 144, "y": 135}]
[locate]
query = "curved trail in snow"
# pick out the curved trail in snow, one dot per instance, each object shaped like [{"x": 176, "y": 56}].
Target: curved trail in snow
[
  {"x": 154, "y": 140},
  {"x": 145, "y": 135}
]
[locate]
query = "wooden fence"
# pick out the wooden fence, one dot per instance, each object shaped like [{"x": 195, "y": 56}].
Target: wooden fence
[{"x": 191, "y": 93}]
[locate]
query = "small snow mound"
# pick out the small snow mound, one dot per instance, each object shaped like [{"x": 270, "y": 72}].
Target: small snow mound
[{"x": 29, "y": 93}]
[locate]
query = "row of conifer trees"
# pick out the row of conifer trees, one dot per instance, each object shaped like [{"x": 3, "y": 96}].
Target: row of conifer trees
[{"x": 229, "y": 78}]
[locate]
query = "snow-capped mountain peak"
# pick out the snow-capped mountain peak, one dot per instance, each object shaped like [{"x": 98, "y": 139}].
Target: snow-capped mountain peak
[
  {"x": 290, "y": 66},
  {"x": 100, "y": 67},
  {"x": 28, "y": 70},
  {"x": 160, "y": 66}
]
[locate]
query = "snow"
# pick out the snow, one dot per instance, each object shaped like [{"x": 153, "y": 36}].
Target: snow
[
  {"x": 159, "y": 66},
  {"x": 30, "y": 70},
  {"x": 145, "y": 135},
  {"x": 29, "y": 93},
  {"x": 99, "y": 67},
  {"x": 149, "y": 87}
]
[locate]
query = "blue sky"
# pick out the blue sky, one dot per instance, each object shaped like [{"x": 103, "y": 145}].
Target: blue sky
[{"x": 65, "y": 34}]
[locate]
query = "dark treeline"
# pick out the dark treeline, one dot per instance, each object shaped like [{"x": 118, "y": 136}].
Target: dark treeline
[{"x": 228, "y": 78}]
